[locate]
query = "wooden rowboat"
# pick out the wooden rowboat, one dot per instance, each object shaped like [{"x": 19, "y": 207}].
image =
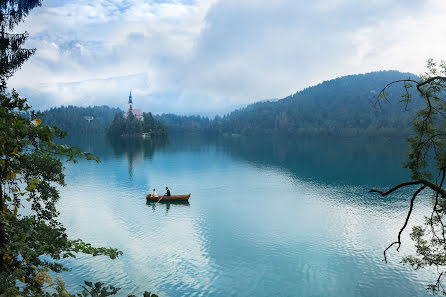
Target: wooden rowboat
[{"x": 168, "y": 198}]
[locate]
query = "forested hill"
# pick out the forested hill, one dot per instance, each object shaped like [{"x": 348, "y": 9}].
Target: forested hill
[
  {"x": 339, "y": 107},
  {"x": 73, "y": 119}
]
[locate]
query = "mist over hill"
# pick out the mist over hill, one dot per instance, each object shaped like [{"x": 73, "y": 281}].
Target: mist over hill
[
  {"x": 345, "y": 106},
  {"x": 340, "y": 107},
  {"x": 80, "y": 120}
]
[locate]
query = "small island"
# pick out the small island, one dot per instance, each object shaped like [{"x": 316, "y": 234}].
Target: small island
[{"x": 136, "y": 123}]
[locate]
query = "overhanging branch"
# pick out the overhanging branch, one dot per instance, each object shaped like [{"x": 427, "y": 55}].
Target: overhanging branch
[
  {"x": 398, "y": 242},
  {"x": 424, "y": 182}
]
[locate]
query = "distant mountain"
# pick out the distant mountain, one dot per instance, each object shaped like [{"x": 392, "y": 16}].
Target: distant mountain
[
  {"x": 339, "y": 107},
  {"x": 80, "y": 120},
  {"x": 343, "y": 106}
]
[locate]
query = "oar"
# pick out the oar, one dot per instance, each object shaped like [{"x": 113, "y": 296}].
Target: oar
[{"x": 160, "y": 199}]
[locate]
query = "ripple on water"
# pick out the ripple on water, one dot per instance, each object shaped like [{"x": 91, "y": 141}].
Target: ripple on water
[{"x": 251, "y": 228}]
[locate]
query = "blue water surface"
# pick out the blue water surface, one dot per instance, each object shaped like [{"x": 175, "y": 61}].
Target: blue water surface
[{"x": 267, "y": 217}]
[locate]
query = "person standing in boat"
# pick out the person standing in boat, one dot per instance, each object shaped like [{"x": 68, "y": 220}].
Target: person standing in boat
[
  {"x": 167, "y": 191},
  {"x": 154, "y": 194}
]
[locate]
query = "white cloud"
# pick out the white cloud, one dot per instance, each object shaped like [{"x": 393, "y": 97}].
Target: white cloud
[{"x": 205, "y": 56}]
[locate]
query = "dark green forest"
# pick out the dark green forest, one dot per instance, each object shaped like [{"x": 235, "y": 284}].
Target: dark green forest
[
  {"x": 341, "y": 107},
  {"x": 128, "y": 126},
  {"x": 183, "y": 123},
  {"x": 73, "y": 119},
  {"x": 344, "y": 106}
]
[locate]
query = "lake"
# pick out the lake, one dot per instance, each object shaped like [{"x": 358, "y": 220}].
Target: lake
[{"x": 267, "y": 217}]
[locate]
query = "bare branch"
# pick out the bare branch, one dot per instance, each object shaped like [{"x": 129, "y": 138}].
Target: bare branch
[
  {"x": 435, "y": 211},
  {"x": 383, "y": 194},
  {"x": 427, "y": 183},
  {"x": 397, "y": 81},
  {"x": 422, "y": 144},
  {"x": 438, "y": 283},
  {"x": 405, "y": 223}
]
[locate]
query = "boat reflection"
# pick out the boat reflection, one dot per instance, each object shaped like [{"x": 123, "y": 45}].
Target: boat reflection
[{"x": 175, "y": 204}]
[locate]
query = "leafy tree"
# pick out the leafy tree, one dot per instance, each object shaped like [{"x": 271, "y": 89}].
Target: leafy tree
[
  {"x": 32, "y": 241},
  {"x": 427, "y": 161},
  {"x": 30, "y": 170},
  {"x": 118, "y": 125}
]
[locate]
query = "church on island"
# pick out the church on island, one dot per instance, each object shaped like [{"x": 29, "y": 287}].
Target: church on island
[
  {"x": 137, "y": 113},
  {"x": 145, "y": 125}
]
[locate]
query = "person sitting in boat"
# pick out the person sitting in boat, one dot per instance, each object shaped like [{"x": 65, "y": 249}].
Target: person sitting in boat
[
  {"x": 167, "y": 191},
  {"x": 154, "y": 194}
]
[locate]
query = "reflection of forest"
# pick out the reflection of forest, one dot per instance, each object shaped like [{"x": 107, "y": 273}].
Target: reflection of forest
[
  {"x": 355, "y": 161},
  {"x": 136, "y": 149}
]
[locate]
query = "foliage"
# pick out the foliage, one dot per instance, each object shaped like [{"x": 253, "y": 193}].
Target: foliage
[
  {"x": 32, "y": 240},
  {"x": 72, "y": 118},
  {"x": 427, "y": 161},
  {"x": 98, "y": 290},
  {"x": 30, "y": 170},
  {"x": 130, "y": 125}
]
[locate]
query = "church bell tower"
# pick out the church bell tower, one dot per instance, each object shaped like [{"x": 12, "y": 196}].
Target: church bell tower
[{"x": 130, "y": 101}]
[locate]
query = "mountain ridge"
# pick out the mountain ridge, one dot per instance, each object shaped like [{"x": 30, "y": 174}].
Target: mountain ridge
[{"x": 343, "y": 106}]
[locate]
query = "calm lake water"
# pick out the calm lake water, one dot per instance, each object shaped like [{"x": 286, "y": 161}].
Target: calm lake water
[{"x": 274, "y": 217}]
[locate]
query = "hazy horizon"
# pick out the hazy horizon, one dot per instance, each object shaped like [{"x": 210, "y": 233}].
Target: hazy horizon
[
  {"x": 210, "y": 57},
  {"x": 210, "y": 114}
]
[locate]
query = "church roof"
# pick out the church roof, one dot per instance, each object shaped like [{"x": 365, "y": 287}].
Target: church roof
[{"x": 137, "y": 112}]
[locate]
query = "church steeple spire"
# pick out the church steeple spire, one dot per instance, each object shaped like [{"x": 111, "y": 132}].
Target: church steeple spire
[{"x": 130, "y": 101}]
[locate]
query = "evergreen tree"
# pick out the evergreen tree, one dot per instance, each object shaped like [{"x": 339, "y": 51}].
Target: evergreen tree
[
  {"x": 72, "y": 118},
  {"x": 12, "y": 55}
]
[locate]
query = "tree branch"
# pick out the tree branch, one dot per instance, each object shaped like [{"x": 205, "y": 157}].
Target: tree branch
[
  {"x": 405, "y": 223},
  {"x": 435, "y": 210},
  {"x": 383, "y": 194},
  {"x": 429, "y": 80},
  {"x": 427, "y": 183}
]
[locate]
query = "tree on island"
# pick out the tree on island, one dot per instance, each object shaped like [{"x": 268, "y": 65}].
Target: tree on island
[
  {"x": 32, "y": 242},
  {"x": 127, "y": 126},
  {"x": 427, "y": 161}
]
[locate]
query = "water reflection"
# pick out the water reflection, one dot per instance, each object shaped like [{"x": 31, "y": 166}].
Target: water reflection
[
  {"x": 136, "y": 149},
  {"x": 355, "y": 161},
  {"x": 167, "y": 204},
  {"x": 286, "y": 217}
]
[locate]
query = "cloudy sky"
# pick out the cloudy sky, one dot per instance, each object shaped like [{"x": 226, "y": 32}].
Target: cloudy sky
[{"x": 210, "y": 56}]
